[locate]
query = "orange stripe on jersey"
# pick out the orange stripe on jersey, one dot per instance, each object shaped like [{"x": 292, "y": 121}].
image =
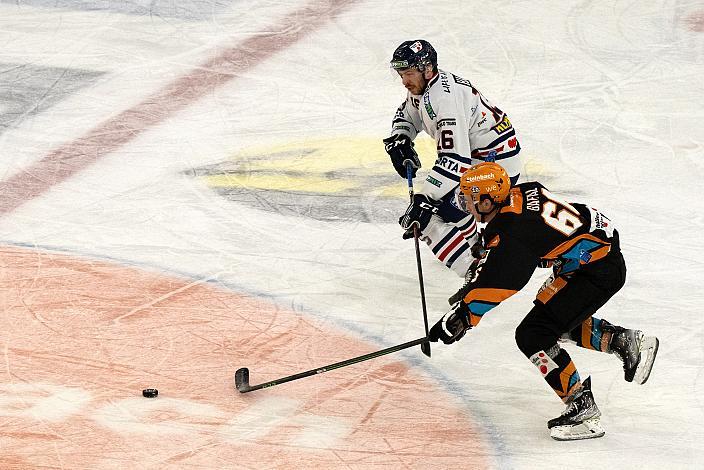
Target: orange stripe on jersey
[
  {"x": 494, "y": 242},
  {"x": 482, "y": 300},
  {"x": 549, "y": 291},
  {"x": 515, "y": 204},
  {"x": 567, "y": 245}
]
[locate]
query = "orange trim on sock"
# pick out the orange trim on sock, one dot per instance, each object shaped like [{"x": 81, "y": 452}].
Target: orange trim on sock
[
  {"x": 565, "y": 375},
  {"x": 587, "y": 326}
]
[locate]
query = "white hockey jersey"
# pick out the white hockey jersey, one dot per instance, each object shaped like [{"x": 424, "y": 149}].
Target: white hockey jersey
[{"x": 467, "y": 129}]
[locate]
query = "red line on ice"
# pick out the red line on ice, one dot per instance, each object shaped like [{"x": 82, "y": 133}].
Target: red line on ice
[{"x": 67, "y": 160}]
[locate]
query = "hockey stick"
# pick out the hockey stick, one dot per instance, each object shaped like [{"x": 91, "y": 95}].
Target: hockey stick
[
  {"x": 242, "y": 374},
  {"x": 425, "y": 347}
]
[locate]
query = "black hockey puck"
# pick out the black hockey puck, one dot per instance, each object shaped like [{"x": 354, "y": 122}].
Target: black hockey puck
[{"x": 150, "y": 392}]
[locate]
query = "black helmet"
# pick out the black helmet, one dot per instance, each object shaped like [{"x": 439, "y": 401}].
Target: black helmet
[{"x": 417, "y": 53}]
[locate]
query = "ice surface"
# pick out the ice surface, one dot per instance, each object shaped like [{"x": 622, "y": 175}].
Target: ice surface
[{"x": 192, "y": 187}]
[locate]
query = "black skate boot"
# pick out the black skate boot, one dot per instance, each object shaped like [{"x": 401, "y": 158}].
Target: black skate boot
[
  {"x": 636, "y": 351},
  {"x": 580, "y": 420}
]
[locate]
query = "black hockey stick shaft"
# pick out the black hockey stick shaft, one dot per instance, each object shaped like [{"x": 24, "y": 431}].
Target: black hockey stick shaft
[
  {"x": 425, "y": 347},
  {"x": 242, "y": 375}
]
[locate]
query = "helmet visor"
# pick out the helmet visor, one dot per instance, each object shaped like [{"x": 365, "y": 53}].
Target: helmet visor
[{"x": 464, "y": 202}]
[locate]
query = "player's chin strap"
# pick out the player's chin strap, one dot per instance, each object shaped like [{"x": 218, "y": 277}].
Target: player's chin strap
[
  {"x": 483, "y": 215},
  {"x": 425, "y": 347}
]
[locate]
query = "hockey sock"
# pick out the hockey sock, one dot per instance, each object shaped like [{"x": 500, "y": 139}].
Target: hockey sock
[
  {"x": 592, "y": 333},
  {"x": 558, "y": 370}
]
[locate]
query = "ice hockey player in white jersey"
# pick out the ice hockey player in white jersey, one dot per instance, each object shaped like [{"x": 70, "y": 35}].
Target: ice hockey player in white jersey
[{"x": 467, "y": 129}]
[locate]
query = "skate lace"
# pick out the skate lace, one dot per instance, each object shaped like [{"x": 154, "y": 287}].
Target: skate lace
[{"x": 572, "y": 402}]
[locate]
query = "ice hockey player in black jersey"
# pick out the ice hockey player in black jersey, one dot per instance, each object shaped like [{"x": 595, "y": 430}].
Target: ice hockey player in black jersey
[
  {"x": 467, "y": 129},
  {"x": 528, "y": 227}
]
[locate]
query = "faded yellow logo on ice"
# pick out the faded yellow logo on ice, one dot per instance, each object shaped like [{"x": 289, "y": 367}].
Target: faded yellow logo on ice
[{"x": 328, "y": 179}]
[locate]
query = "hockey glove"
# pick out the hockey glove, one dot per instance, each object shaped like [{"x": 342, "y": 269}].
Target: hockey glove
[
  {"x": 477, "y": 250},
  {"x": 452, "y": 326},
  {"x": 418, "y": 213},
  {"x": 400, "y": 149}
]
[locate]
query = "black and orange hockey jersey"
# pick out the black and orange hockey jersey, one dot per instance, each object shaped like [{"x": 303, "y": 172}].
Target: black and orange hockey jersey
[{"x": 534, "y": 228}]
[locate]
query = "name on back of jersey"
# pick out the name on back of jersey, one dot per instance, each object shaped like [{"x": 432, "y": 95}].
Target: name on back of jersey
[
  {"x": 444, "y": 82},
  {"x": 533, "y": 200}
]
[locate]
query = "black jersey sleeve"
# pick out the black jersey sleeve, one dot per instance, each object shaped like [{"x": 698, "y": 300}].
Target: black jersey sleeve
[{"x": 505, "y": 269}]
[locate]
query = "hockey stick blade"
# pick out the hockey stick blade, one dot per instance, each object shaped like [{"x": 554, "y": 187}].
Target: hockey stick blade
[
  {"x": 425, "y": 347},
  {"x": 242, "y": 375},
  {"x": 242, "y": 380}
]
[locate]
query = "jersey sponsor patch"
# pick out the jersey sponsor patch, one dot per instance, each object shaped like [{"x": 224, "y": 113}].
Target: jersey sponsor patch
[
  {"x": 502, "y": 126},
  {"x": 433, "y": 181},
  {"x": 600, "y": 222},
  {"x": 429, "y": 107},
  {"x": 446, "y": 122},
  {"x": 448, "y": 164}
]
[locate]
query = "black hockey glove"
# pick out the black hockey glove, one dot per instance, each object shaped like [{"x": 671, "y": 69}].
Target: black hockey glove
[
  {"x": 418, "y": 213},
  {"x": 400, "y": 149},
  {"x": 452, "y": 326},
  {"x": 477, "y": 250}
]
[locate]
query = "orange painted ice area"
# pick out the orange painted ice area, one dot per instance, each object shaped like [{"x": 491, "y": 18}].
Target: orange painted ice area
[{"x": 82, "y": 338}]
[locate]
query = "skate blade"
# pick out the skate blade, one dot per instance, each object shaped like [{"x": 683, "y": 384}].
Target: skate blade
[
  {"x": 649, "y": 348},
  {"x": 588, "y": 429}
]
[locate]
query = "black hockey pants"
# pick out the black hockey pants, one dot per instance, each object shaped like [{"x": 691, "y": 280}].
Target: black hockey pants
[{"x": 574, "y": 299}]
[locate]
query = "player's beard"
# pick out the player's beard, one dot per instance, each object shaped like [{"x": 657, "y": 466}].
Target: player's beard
[{"x": 418, "y": 89}]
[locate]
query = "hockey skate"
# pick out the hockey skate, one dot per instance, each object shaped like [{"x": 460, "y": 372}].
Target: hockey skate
[
  {"x": 636, "y": 351},
  {"x": 580, "y": 420}
]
